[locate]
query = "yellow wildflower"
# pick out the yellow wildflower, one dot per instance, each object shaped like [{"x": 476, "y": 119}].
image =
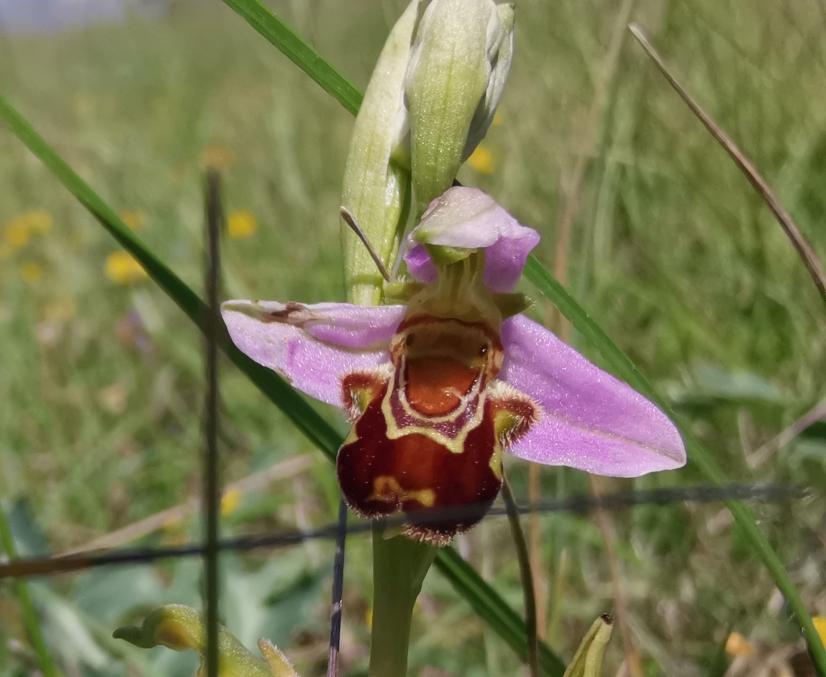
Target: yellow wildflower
[
  {"x": 31, "y": 272},
  {"x": 217, "y": 157},
  {"x": 241, "y": 224},
  {"x": 122, "y": 268},
  {"x": 230, "y": 501},
  {"x": 497, "y": 119},
  {"x": 737, "y": 645},
  {"x": 482, "y": 160},
  {"x": 133, "y": 219},
  {"x": 39, "y": 221},
  {"x": 17, "y": 233}
]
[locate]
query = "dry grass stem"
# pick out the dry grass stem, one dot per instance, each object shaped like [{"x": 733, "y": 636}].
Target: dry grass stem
[{"x": 787, "y": 223}]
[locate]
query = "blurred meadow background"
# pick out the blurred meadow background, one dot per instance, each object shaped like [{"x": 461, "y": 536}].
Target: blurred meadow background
[{"x": 651, "y": 226}]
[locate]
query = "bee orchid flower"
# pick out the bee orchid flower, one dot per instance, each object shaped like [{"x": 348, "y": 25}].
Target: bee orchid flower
[{"x": 438, "y": 387}]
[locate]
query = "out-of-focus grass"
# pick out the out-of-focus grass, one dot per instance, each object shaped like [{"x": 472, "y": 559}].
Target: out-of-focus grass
[{"x": 671, "y": 250}]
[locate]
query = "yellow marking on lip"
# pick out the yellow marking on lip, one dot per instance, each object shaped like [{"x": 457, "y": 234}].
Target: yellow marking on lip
[{"x": 387, "y": 489}]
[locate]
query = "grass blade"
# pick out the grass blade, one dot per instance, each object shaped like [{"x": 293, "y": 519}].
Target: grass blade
[
  {"x": 698, "y": 454},
  {"x": 299, "y": 52},
  {"x": 28, "y": 613},
  {"x": 488, "y": 603},
  {"x": 804, "y": 249}
]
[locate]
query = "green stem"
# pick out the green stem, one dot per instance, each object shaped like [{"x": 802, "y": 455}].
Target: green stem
[
  {"x": 24, "y": 598},
  {"x": 399, "y": 568},
  {"x": 526, "y": 575}
]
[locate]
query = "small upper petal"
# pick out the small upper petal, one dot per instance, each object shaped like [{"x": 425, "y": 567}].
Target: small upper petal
[
  {"x": 313, "y": 346},
  {"x": 589, "y": 420},
  {"x": 467, "y": 218}
]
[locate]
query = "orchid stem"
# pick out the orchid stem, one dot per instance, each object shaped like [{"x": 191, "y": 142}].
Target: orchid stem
[
  {"x": 399, "y": 568},
  {"x": 527, "y": 577}
]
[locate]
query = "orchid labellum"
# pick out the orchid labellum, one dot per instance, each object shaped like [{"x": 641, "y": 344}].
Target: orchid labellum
[{"x": 438, "y": 387}]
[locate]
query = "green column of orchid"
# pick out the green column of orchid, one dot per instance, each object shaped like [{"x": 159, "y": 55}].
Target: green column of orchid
[{"x": 431, "y": 98}]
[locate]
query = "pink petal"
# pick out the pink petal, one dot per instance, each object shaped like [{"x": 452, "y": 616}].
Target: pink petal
[
  {"x": 467, "y": 218},
  {"x": 590, "y": 420},
  {"x": 313, "y": 346}
]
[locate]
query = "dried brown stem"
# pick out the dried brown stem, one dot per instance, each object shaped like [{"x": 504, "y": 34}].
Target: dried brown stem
[
  {"x": 762, "y": 454},
  {"x": 132, "y": 532},
  {"x": 787, "y": 223}
]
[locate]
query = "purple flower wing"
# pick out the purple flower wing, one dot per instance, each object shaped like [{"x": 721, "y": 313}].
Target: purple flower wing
[
  {"x": 313, "y": 346},
  {"x": 467, "y": 218},
  {"x": 590, "y": 420}
]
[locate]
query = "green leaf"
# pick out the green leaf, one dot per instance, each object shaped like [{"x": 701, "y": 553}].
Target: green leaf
[{"x": 298, "y": 51}]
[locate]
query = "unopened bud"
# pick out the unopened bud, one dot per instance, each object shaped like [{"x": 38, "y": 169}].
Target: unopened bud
[{"x": 458, "y": 66}]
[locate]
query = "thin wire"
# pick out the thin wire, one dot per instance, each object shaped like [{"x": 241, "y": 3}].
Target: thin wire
[
  {"x": 45, "y": 566},
  {"x": 211, "y": 483},
  {"x": 338, "y": 590}
]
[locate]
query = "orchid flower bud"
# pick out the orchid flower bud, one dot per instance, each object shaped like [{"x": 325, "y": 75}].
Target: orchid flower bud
[
  {"x": 431, "y": 98},
  {"x": 587, "y": 661},
  {"x": 180, "y": 628},
  {"x": 460, "y": 60}
]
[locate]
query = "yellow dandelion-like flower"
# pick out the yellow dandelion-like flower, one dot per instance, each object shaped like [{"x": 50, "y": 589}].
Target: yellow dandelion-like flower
[
  {"x": 241, "y": 224},
  {"x": 482, "y": 160},
  {"x": 497, "y": 119},
  {"x": 230, "y": 501},
  {"x": 122, "y": 268},
  {"x": 133, "y": 219},
  {"x": 31, "y": 272},
  {"x": 737, "y": 645},
  {"x": 39, "y": 221},
  {"x": 217, "y": 157},
  {"x": 17, "y": 233}
]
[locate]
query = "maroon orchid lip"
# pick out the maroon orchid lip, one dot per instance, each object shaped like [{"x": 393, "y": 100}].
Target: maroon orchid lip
[{"x": 435, "y": 396}]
